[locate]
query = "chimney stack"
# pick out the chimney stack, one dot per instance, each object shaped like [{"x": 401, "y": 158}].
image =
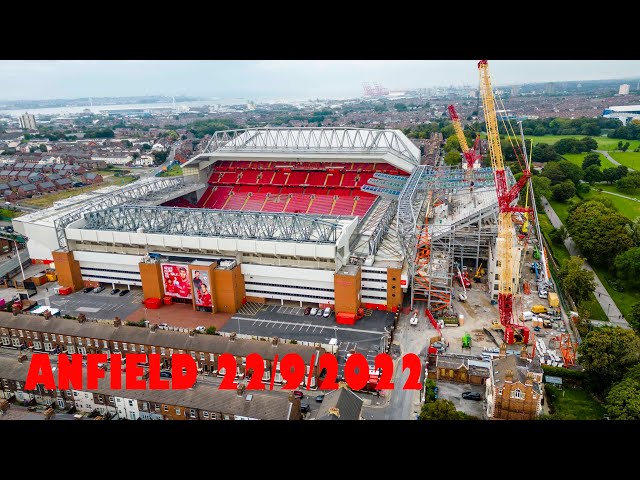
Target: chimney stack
[
  {"x": 523, "y": 353},
  {"x": 274, "y": 341},
  {"x": 232, "y": 337},
  {"x": 82, "y": 318},
  {"x": 153, "y": 327},
  {"x": 503, "y": 350},
  {"x": 22, "y": 357},
  {"x": 240, "y": 389},
  {"x": 529, "y": 380},
  {"x": 192, "y": 333},
  {"x": 508, "y": 376},
  {"x": 117, "y": 322},
  {"x": 47, "y": 315}
]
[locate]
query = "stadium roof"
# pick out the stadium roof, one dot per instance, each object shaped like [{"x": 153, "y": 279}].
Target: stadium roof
[{"x": 391, "y": 146}]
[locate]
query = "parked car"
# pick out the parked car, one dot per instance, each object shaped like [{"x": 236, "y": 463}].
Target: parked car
[
  {"x": 327, "y": 312},
  {"x": 319, "y": 313},
  {"x": 471, "y": 396},
  {"x": 200, "y": 329},
  {"x": 87, "y": 290},
  {"x": 307, "y": 310},
  {"x": 304, "y": 407},
  {"x": 313, "y": 311},
  {"x": 165, "y": 374},
  {"x": 115, "y": 291},
  {"x": 319, "y": 398},
  {"x": 123, "y": 293},
  {"x": 536, "y": 329},
  {"x": 298, "y": 394},
  {"x": 98, "y": 289},
  {"x": 163, "y": 326}
]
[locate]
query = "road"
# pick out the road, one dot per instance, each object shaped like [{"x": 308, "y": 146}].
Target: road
[
  {"x": 604, "y": 299},
  {"x": 610, "y": 158}
]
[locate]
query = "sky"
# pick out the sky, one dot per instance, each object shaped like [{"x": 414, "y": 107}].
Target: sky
[{"x": 273, "y": 79}]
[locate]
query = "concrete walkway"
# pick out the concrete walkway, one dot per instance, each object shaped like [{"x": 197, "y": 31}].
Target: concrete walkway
[
  {"x": 610, "y": 158},
  {"x": 601, "y": 294}
]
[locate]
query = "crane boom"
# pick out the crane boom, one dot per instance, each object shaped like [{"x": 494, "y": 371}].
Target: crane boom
[
  {"x": 506, "y": 233},
  {"x": 471, "y": 156}
]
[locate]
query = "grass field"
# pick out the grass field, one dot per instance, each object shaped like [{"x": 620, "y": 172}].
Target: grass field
[
  {"x": 629, "y": 159},
  {"x": 562, "y": 208},
  {"x": 573, "y": 403},
  {"x": 604, "y": 143},
  {"x": 6, "y": 213},
  {"x": 628, "y": 208},
  {"x": 174, "y": 171},
  {"x": 614, "y": 189},
  {"x": 578, "y": 158}
]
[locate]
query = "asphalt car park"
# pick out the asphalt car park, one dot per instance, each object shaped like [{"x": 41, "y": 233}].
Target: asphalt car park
[
  {"x": 367, "y": 336},
  {"x": 453, "y": 391},
  {"x": 101, "y": 305}
]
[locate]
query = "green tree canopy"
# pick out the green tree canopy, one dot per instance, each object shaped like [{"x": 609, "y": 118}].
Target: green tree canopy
[
  {"x": 453, "y": 158},
  {"x": 606, "y": 354},
  {"x": 591, "y": 159},
  {"x": 578, "y": 281},
  {"x": 623, "y": 400},
  {"x": 544, "y": 152},
  {"x": 452, "y": 144},
  {"x": 541, "y": 187},
  {"x": 599, "y": 231},
  {"x": 563, "y": 191},
  {"x": 441, "y": 410},
  {"x": 629, "y": 184},
  {"x": 628, "y": 267},
  {"x": 593, "y": 174}
]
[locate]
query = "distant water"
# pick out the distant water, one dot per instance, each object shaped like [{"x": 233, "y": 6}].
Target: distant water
[{"x": 98, "y": 108}]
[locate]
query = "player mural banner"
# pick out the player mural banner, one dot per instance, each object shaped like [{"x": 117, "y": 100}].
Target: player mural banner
[
  {"x": 201, "y": 288},
  {"x": 176, "y": 280}
]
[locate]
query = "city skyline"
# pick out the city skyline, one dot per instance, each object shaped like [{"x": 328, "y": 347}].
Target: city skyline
[{"x": 287, "y": 79}]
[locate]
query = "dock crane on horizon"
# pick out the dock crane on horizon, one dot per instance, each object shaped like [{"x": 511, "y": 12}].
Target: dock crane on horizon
[{"x": 506, "y": 197}]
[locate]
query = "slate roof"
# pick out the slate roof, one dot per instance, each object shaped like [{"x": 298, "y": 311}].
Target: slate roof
[{"x": 349, "y": 405}]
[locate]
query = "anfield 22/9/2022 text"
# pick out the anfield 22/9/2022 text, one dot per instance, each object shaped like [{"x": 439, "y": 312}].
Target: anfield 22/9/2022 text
[{"x": 184, "y": 371}]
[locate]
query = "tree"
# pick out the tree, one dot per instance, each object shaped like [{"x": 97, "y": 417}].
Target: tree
[
  {"x": 452, "y": 144},
  {"x": 623, "y": 400},
  {"x": 598, "y": 230},
  {"x": 430, "y": 389},
  {"x": 453, "y": 158},
  {"x": 541, "y": 187},
  {"x": 578, "y": 281},
  {"x": 628, "y": 267},
  {"x": 553, "y": 172},
  {"x": 593, "y": 174},
  {"x": 441, "y": 410},
  {"x": 625, "y": 147},
  {"x": 563, "y": 191},
  {"x": 613, "y": 174},
  {"x": 210, "y": 330},
  {"x": 629, "y": 184},
  {"x": 543, "y": 152},
  {"x": 43, "y": 148},
  {"x": 620, "y": 145},
  {"x": 571, "y": 171},
  {"x": 127, "y": 143},
  {"x": 634, "y": 321},
  {"x": 400, "y": 107},
  {"x": 146, "y": 146},
  {"x": 633, "y": 229},
  {"x": 606, "y": 354},
  {"x": 591, "y": 159}
]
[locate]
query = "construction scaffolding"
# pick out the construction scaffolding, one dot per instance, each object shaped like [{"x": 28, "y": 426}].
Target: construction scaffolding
[{"x": 453, "y": 223}]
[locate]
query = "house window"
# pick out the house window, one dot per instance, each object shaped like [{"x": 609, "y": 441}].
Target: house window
[
  {"x": 48, "y": 347},
  {"x": 96, "y": 343},
  {"x": 166, "y": 408},
  {"x": 111, "y": 400},
  {"x": 68, "y": 392},
  {"x": 100, "y": 400},
  {"x": 211, "y": 357},
  {"x": 124, "y": 346},
  {"x": 213, "y": 416},
  {"x": 500, "y": 391},
  {"x": 71, "y": 349},
  {"x": 89, "y": 342},
  {"x": 202, "y": 356},
  {"x": 82, "y": 350},
  {"x": 171, "y": 351},
  {"x": 157, "y": 407},
  {"x": 79, "y": 340},
  {"x": 105, "y": 344},
  {"x": 153, "y": 349},
  {"x": 5, "y": 341},
  {"x": 37, "y": 345},
  {"x": 133, "y": 347},
  {"x": 141, "y": 348},
  {"x": 177, "y": 411},
  {"x": 53, "y": 337},
  {"x": 61, "y": 403},
  {"x": 132, "y": 415},
  {"x": 205, "y": 414},
  {"x": 115, "y": 345},
  {"x": 15, "y": 342},
  {"x": 28, "y": 334},
  {"x": 131, "y": 403},
  {"x": 20, "y": 332},
  {"x": 192, "y": 413},
  {"x": 193, "y": 355},
  {"x": 161, "y": 350},
  {"x": 46, "y": 336},
  {"x": 68, "y": 339},
  {"x": 517, "y": 393}
]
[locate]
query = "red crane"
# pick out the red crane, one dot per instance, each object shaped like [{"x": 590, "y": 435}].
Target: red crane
[{"x": 470, "y": 155}]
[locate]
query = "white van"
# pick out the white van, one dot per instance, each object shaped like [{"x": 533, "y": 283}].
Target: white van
[
  {"x": 327, "y": 312},
  {"x": 527, "y": 316}
]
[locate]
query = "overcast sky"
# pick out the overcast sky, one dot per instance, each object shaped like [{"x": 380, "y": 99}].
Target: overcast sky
[{"x": 290, "y": 79}]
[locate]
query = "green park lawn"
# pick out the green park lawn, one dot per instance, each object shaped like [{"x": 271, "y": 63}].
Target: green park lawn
[
  {"x": 574, "y": 402},
  {"x": 630, "y": 159},
  {"x": 604, "y": 143},
  {"x": 614, "y": 189},
  {"x": 628, "y": 208},
  {"x": 578, "y": 158}
]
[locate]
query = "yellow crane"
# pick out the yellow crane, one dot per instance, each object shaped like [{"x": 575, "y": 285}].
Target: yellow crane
[{"x": 506, "y": 196}]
